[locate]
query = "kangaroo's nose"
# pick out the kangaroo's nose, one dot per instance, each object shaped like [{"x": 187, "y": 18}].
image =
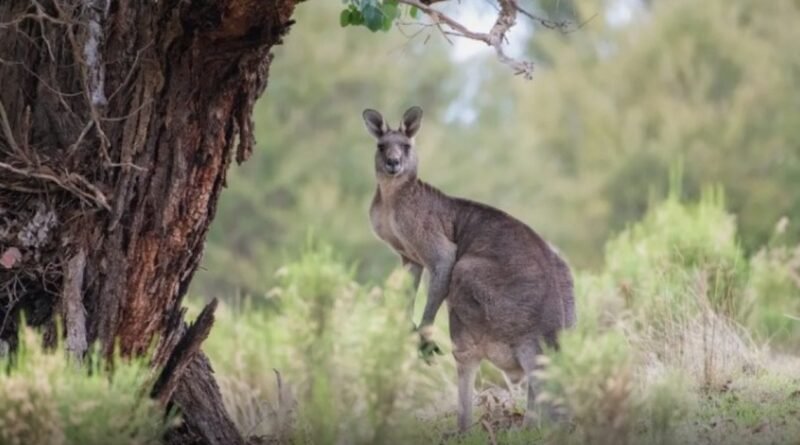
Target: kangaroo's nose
[{"x": 391, "y": 162}]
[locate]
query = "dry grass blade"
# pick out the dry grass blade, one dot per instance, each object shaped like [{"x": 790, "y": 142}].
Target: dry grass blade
[
  {"x": 9, "y": 135},
  {"x": 488, "y": 427}
]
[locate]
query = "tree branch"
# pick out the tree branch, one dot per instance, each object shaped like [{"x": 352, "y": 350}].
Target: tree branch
[
  {"x": 183, "y": 353},
  {"x": 506, "y": 18},
  {"x": 561, "y": 25}
]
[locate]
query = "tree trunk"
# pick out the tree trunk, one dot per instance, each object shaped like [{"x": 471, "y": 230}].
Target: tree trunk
[{"x": 118, "y": 121}]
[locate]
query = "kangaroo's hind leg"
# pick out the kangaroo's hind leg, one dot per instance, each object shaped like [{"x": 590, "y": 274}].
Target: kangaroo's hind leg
[
  {"x": 528, "y": 354},
  {"x": 466, "y": 384},
  {"x": 468, "y": 358}
]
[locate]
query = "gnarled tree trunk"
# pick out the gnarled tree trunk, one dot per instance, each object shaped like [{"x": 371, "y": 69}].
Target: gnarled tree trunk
[{"x": 118, "y": 121}]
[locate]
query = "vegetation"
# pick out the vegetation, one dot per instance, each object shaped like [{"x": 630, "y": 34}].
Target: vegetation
[
  {"x": 668, "y": 349},
  {"x": 47, "y": 398}
]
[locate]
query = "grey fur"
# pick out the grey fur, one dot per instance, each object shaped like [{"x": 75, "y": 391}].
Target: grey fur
[{"x": 507, "y": 291}]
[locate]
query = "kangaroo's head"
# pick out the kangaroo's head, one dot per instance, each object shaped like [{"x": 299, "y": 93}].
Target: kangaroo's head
[{"x": 395, "y": 155}]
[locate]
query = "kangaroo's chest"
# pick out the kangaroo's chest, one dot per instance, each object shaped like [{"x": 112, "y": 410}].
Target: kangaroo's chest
[{"x": 385, "y": 226}]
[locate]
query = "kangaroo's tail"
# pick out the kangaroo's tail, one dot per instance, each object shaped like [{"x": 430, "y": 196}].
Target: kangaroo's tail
[{"x": 565, "y": 287}]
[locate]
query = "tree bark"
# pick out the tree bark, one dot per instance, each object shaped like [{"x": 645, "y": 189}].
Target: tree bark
[{"x": 118, "y": 121}]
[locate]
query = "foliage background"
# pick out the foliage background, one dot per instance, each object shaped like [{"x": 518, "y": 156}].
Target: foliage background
[
  {"x": 657, "y": 146},
  {"x": 578, "y": 153}
]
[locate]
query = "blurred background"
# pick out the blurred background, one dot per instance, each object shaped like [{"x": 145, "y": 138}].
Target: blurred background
[
  {"x": 577, "y": 153},
  {"x": 658, "y": 146}
]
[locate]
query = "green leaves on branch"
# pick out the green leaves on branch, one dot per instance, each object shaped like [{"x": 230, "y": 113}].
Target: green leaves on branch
[{"x": 376, "y": 15}]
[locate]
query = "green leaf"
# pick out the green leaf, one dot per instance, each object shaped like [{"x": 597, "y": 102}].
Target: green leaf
[
  {"x": 373, "y": 16},
  {"x": 356, "y": 18},
  {"x": 389, "y": 11},
  {"x": 414, "y": 12},
  {"x": 344, "y": 17}
]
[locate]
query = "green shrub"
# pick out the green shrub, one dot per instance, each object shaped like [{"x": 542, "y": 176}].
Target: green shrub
[
  {"x": 683, "y": 279},
  {"x": 46, "y": 398},
  {"x": 679, "y": 258}
]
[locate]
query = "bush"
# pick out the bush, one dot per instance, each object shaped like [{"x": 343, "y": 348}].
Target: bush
[
  {"x": 47, "y": 399},
  {"x": 683, "y": 277},
  {"x": 678, "y": 258}
]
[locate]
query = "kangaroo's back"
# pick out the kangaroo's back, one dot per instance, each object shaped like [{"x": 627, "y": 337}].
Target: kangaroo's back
[{"x": 507, "y": 280}]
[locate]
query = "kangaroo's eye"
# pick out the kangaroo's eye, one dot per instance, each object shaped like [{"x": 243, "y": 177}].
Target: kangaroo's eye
[
  {"x": 382, "y": 146},
  {"x": 406, "y": 147}
]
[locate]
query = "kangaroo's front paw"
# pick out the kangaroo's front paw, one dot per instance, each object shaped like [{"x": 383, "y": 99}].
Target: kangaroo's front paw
[{"x": 427, "y": 347}]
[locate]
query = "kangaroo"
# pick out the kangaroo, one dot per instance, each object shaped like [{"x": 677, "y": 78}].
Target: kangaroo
[{"x": 507, "y": 291}]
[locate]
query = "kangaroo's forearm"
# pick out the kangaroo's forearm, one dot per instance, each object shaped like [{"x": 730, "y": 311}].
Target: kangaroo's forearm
[
  {"x": 416, "y": 274},
  {"x": 437, "y": 291}
]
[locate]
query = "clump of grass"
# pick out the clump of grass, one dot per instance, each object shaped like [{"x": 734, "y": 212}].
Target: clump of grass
[
  {"x": 664, "y": 404},
  {"x": 47, "y": 398}
]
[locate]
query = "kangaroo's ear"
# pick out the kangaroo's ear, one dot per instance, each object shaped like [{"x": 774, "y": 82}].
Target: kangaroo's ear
[
  {"x": 412, "y": 121},
  {"x": 375, "y": 123}
]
